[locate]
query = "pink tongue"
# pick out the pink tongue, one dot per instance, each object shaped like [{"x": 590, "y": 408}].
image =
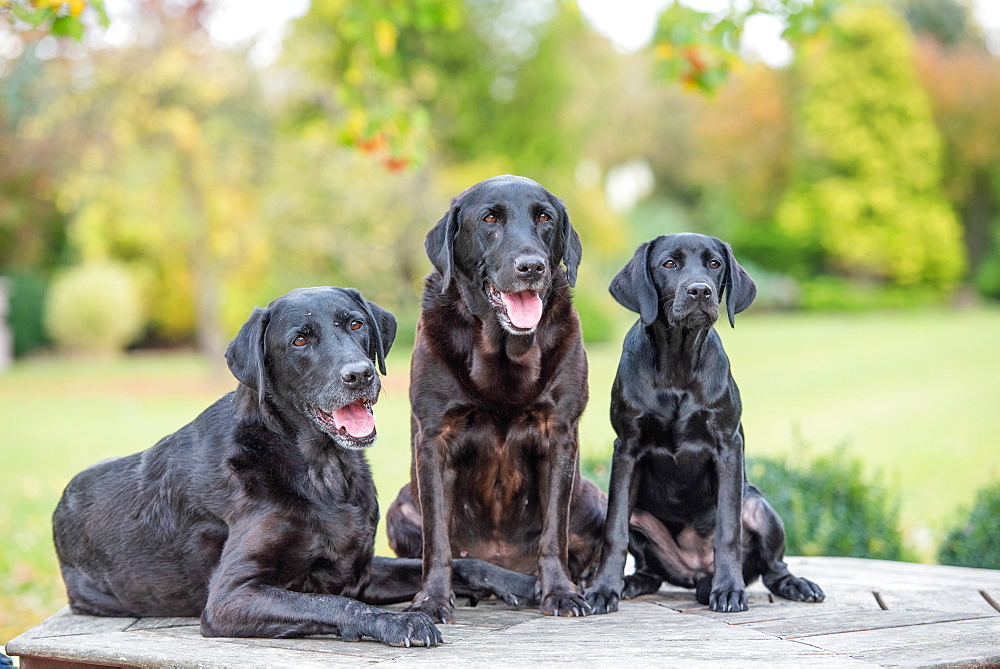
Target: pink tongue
[
  {"x": 355, "y": 419},
  {"x": 524, "y": 308}
]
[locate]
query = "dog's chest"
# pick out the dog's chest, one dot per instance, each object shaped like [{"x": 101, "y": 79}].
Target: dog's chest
[
  {"x": 344, "y": 512},
  {"x": 675, "y": 421}
]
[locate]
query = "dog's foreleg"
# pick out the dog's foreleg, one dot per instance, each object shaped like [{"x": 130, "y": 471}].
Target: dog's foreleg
[
  {"x": 436, "y": 491},
  {"x": 559, "y": 595},
  {"x": 728, "y": 590},
  {"x": 606, "y": 588}
]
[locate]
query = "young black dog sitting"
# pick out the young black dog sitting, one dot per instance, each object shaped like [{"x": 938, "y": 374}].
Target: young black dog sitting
[{"x": 679, "y": 500}]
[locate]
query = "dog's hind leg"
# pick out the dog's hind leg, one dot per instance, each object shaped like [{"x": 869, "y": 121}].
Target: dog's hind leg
[
  {"x": 764, "y": 551},
  {"x": 403, "y": 525}
]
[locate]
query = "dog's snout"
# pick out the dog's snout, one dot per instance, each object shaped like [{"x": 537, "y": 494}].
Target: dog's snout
[
  {"x": 529, "y": 267},
  {"x": 357, "y": 374},
  {"x": 699, "y": 291}
]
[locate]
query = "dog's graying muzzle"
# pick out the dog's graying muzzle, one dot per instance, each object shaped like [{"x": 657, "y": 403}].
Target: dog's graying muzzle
[{"x": 357, "y": 375}]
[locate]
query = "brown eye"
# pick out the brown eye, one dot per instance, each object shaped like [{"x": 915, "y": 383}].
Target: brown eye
[
  {"x": 299, "y": 341},
  {"x": 490, "y": 218},
  {"x": 543, "y": 218},
  {"x": 670, "y": 264},
  {"x": 356, "y": 325},
  {"x": 715, "y": 264}
]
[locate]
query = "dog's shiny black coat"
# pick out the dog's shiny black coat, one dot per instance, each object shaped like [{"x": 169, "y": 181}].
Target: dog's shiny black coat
[
  {"x": 678, "y": 498},
  {"x": 260, "y": 514},
  {"x": 495, "y": 399}
]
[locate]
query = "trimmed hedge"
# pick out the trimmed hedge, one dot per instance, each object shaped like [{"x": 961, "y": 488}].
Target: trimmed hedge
[{"x": 975, "y": 541}]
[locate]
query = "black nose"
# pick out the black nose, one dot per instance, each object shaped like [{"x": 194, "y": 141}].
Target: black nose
[
  {"x": 357, "y": 374},
  {"x": 699, "y": 291},
  {"x": 529, "y": 268}
]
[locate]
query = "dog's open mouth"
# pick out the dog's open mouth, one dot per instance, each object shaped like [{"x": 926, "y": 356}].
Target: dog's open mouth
[
  {"x": 353, "y": 424},
  {"x": 521, "y": 311}
]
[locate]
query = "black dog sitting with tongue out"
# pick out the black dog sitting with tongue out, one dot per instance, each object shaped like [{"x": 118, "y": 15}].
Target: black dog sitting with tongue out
[
  {"x": 260, "y": 514},
  {"x": 498, "y": 381}
]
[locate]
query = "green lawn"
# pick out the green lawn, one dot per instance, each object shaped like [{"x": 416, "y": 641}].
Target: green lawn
[{"x": 915, "y": 395}]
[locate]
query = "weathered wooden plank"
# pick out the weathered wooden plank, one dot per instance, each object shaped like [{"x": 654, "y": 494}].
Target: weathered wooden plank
[
  {"x": 64, "y": 623},
  {"x": 153, "y": 649},
  {"x": 955, "y": 600},
  {"x": 162, "y": 623},
  {"x": 853, "y": 621},
  {"x": 992, "y": 597},
  {"x": 645, "y": 621},
  {"x": 626, "y": 652},
  {"x": 959, "y": 642},
  {"x": 868, "y": 574}
]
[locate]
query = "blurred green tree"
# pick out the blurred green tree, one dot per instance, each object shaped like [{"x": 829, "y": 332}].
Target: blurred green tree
[
  {"x": 949, "y": 22},
  {"x": 963, "y": 84},
  {"x": 867, "y": 192},
  {"x": 170, "y": 152}
]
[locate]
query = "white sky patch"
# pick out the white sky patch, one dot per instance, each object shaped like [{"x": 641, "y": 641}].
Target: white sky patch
[
  {"x": 629, "y": 24},
  {"x": 262, "y": 22}
]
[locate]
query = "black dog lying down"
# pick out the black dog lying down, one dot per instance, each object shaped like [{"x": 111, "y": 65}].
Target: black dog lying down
[
  {"x": 260, "y": 514},
  {"x": 679, "y": 500}
]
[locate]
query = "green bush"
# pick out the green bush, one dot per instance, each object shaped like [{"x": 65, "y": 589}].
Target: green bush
[
  {"x": 27, "y": 299},
  {"x": 975, "y": 542},
  {"x": 987, "y": 278},
  {"x": 94, "y": 308},
  {"x": 829, "y": 293},
  {"x": 830, "y": 507}
]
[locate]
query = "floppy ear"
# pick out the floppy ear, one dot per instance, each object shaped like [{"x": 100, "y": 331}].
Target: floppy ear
[
  {"x": 737, "y": 286},
  {"x": 572, "y": 248},
  {"x": 245, "y": 353},
  {"x": 383, "y": 325},
  {"x": 440, "y": 244},
  {"x": 633, "y": 286}
]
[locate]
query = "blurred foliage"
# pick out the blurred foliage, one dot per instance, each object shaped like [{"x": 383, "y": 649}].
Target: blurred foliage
[
  {"x": 867, "y": 192},
  {"x": 27, "y": 289},
  {"x": 963, "y": 84},
  {"x": 974, "y": 541},
  {"x": 221, "y": 182},
  {"x": 57, "y": 17},
  {"x": 700, "y": 49},
  {"x": 171, "y": 155},
  {"x": 830, "y": 507},
  {"x": 831, "y": 293},
  {"x": 94, "y": 309}
]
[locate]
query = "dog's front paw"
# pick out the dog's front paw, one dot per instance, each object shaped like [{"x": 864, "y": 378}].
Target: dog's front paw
[
  {"x": 728, "y": 600},
  {"x": 602, "y": 599},
  {"x": 440, "y": 608},
  {"x": 799, "y": 590},
  {"x": 406, "y": 629},
  {"x": 564, "y": 603},
  {"x": 640, "y": 584}
]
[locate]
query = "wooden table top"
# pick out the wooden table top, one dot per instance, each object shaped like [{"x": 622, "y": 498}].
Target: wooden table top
[{"x": 877, "y": 613}]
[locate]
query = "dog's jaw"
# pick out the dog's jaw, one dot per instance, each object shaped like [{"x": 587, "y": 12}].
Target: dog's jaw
[
  {"x": 527, "y": 305},
  {"x": 346, "y": 425}
]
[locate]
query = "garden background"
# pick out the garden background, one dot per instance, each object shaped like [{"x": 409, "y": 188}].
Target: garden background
[{"x": 159, "y": 178}]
